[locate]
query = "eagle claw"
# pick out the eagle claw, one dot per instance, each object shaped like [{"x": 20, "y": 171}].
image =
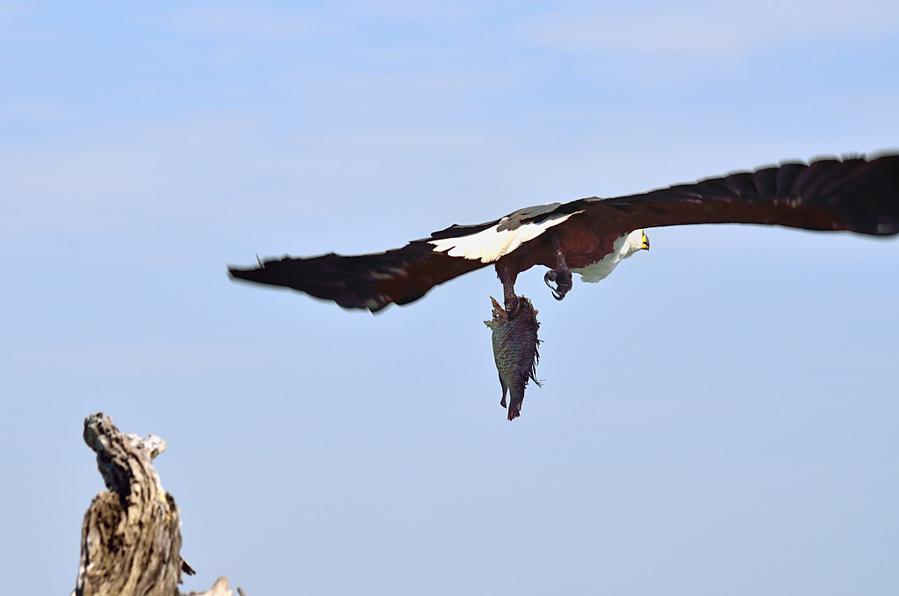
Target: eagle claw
[
  {"x": 511, "y": 306},
  {"x": 559, "y": 281}
]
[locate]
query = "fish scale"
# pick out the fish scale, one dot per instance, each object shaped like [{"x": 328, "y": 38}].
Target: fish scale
[{"x": 515, "y": 351}]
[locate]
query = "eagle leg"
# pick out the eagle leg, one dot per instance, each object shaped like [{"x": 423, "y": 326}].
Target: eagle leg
[
  {"x": 508, "y": 275},
  {"x": 560, "y": 276}
]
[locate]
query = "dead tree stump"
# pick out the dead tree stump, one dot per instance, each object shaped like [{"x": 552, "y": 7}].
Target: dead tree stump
[{"x": 131, "y": 535}]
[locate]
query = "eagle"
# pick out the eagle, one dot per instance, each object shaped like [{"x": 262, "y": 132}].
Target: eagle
[{"x": 592, "y": 235}]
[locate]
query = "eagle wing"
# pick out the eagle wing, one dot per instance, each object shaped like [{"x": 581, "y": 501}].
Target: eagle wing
[
  {"x": 403, "y": 275},
  {"x": 371, "y": 281},
  {"x": 853, "y": 194}
]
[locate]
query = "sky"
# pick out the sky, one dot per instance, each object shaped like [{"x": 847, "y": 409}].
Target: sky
[{"x": 718, "y": 417}]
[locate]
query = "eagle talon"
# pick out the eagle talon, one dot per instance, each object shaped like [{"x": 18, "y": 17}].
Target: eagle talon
[
  {"x": 558, "y": 281},
  {"x": 512, "y": 304}
]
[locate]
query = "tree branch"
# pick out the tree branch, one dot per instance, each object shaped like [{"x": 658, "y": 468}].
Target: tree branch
[{"x": 131, "y": 536}]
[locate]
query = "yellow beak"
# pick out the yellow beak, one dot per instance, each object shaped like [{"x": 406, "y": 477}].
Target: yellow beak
[{"x": 645, "y": 242}]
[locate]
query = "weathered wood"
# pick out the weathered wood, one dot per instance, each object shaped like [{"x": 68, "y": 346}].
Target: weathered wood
[{"x": 131, "y": 536}]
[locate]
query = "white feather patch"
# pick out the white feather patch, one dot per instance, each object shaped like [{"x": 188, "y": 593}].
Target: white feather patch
[
  {"x": 491, "y": 244},
  {"x": 623, "y": 247}
]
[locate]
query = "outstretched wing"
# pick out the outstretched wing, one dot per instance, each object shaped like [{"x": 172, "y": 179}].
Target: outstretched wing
[
  {"x": 854, "y": 194},
  {"x": 403, "y": 275},
  {"x": 365, "y": 281}
]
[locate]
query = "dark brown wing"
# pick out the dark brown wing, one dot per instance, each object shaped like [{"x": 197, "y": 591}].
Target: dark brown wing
[
  {"x": 371, "y": 281},
  {"x": 398, "y": 276},
  {"x": 853, "y": 194}
]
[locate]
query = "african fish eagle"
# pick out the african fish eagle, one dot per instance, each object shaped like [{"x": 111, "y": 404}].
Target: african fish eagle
[{"x": 590, "y": 236}]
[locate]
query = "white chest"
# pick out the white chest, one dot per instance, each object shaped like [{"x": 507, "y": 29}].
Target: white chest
[{"x": 602, "y": 268}]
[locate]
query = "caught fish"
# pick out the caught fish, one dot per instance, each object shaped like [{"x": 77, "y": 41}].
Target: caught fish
[{"x": 515, "y": 351}]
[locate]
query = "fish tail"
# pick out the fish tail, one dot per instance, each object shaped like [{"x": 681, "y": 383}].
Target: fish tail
[{"x": 516, "y": 399}]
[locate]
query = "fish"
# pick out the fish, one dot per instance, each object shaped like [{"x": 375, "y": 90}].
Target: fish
[{"x": 515, "y": 351}]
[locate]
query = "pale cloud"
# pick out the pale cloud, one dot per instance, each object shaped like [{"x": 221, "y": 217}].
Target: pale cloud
[
  {"x": 100, "y": 178},
  {"x": 40, "y": 111},
  {"x": 131, "y": 358},
  {"x": 710, "y": 29},
  {"x": 280, "y": 24},
  {"x": 190, "y": 171},
  {"x": 418, "y": 10},
  {"x": 238, "y": 21},
  {"x": 9, "y": 11}
]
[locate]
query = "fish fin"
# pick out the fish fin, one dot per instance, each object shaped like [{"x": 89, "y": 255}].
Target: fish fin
[{"x": 498, "y": 311}]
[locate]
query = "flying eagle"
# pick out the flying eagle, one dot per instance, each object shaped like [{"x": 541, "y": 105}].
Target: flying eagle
[{"x": 590, "y": 236}]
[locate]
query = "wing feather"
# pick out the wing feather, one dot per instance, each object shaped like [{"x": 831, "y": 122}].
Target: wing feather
[
  {"x": 370, "y": 281},
  {"x": 403, "y": 275},
  {"x": 853, "y": 194}
]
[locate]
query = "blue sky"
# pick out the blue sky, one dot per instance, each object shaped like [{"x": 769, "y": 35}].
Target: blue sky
[{"x": 718, "y": 416}]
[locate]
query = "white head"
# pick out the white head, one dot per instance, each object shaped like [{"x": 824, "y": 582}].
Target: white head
[{"x": 636, "y": 241}]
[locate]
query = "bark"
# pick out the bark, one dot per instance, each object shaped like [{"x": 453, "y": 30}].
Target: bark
[{"x": 131, "y": 535}]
